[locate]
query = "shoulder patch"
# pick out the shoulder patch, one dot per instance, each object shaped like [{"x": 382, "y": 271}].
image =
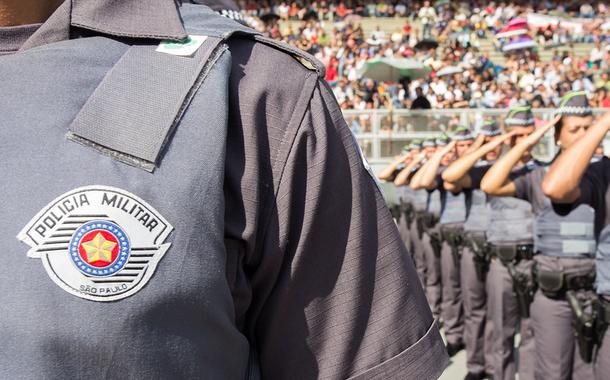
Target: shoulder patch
[{"x": 98, "y": 242}]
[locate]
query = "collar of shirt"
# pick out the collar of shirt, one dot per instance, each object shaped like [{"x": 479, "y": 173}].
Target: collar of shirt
[{"x": 147, "y": 19}]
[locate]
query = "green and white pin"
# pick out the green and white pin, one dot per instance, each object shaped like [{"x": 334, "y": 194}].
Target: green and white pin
[{"x": 185, "y": 48}]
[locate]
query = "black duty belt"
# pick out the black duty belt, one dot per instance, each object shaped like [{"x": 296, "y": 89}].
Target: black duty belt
[
  {"x": 453, "y": 235},
  {"x": 429, "y": 219},
  {"x": 554, "y": 284},
  {"x": 512, "y": 253}
]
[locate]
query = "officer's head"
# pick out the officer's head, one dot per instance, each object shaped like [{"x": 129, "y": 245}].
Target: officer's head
[
  {"x": 429, "y": 146},
  {"x": 441, "y": 143},
  {"x": 521, "y": 121},
  {"x": 491, "y": 129},
  {"x": 463, "y": 140},
  {"x": 415, "y": 148},
  {"x": 576, "y": 118}
]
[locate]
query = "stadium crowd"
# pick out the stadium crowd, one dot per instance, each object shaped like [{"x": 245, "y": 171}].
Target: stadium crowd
[{"x": 474, "y": 80}]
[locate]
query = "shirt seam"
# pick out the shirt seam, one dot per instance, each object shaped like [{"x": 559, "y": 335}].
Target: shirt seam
[{"x": 296, "y": 118}]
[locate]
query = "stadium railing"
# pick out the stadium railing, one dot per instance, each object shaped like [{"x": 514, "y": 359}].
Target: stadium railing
[{"x": 383, "y": 133}]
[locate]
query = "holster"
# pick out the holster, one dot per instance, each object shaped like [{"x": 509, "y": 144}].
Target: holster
[
  {"x": 455, "y": 238},
  {"x": 408, "y": 212},
  {"x": 522, "y": 289},
  {"x": 436, "y": 242},
  {"x": 601, "y": 308},
  {"x": 396, "y": 214},
  {"x": 419, "y": 223},
  {"x": 583, "y": 325},
  {"x": 481, "y": 258}
]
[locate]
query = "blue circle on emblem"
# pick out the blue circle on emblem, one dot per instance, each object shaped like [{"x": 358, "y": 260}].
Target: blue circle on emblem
[{"x": 99, "y": 248}]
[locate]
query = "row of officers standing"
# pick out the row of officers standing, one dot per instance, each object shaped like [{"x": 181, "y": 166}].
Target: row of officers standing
[{"x": 503, "y": 243}]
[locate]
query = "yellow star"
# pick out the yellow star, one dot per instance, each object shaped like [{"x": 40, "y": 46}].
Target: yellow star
[{"x": 99, "y": 248}]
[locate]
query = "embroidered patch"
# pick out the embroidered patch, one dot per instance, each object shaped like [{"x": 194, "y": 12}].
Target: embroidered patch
[{"x": 97, "y": 242}]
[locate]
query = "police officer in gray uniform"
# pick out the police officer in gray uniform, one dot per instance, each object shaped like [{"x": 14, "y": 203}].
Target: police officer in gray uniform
[
  {"x": 423, "y": 220},
  {"x": 419, "y": 201},
  {"x": 474, "y": 262},
  {"x": 510, "y": 236},
  {"x": 572, "y": 182},
  {"x": 166, "y": 210},
  {"x": 564, "y": 247},
  {"x": 452, "y": 218},
  {"x": 431, "y": 239},
  {"x": 404, "y": 212}
]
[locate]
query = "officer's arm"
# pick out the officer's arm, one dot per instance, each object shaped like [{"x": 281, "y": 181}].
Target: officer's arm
[
  {"x": 496, "y": 181},
  {"x": 428, "y": 178},
  {"x": 416, "y": 179},
  {"x": 387, "y": 172},
  {"x": 562, "y": 179},
  {"x": 478, "y": 142},
  {"x": 346, "y": 302},
  {"x": 402, "y": 179},
  {"x": 457, "y": 172}
]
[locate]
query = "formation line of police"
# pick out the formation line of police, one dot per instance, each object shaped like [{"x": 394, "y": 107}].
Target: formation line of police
[{"x": 504, "y": 243}]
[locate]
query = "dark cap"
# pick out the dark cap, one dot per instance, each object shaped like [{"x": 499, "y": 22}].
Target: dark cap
[
  {"x": 490, "y": 128},
  {"x": 443, "y": 140},
  {"x": 416, "y": 144},
  {"x": 520, "y": 116},
  {"x": 462, "y": 133},
  {"x": 429, "y": 143},
  {"x": 575, "y": 103}
]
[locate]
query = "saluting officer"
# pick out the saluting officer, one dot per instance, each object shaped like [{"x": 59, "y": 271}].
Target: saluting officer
[
  {"x": 428, "y": 150},
  {"x": 431, "y": 239},
  {"x": 474, "y": 263},
  {"x": 564, "y": 248},
  {"x": 420, "y": 200},
  {"x": 571, "y": 182},
  {"x": 561, "y": 260},
  {"x": 452, "y": 218},
  {"x": 404, "y": 194},
  {"x": 510, "y": 236},
  {"x": 170, "y": 209}
]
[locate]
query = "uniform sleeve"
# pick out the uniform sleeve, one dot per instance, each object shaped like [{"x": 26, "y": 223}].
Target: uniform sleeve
[
  {"x": 594, "y": 184},
  {"x": 438, "y": 180},
  {"x": 394, "y": 174},
  {"x": 523, "y": 184},
  {"x": 347, "y": 302},
  {"x": 593, "y": 191},
  {"x": 476, "y": 175}
]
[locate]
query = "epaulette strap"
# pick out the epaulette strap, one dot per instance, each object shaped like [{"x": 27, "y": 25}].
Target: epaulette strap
[
  {"x": 130, "y": 117},
  {"x": 203, "y": 21},
  {"x": 306, "y": 59}
]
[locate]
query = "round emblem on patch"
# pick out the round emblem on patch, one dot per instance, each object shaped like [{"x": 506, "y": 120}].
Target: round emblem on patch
[
  {"x": 100, "y": 243},
  {"x": 99, "y": 248}
]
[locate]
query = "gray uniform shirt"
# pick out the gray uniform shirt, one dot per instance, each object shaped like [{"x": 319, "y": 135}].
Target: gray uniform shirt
[{"x": 321, "y": 282}]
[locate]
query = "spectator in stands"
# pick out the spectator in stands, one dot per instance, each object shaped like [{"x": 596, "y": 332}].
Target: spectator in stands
[
  {"x": 420, "y": 102},
  {"x": 346, "y": 47},
  {"x": 427, "y": 17}
]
